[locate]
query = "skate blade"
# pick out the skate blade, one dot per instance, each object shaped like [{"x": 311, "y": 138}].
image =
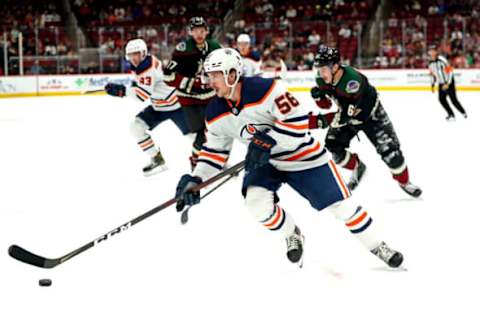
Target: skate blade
[
  {"x": 352, "y": 186},
  {"x": 300, "y": 262},
  {"x": 155, "y": 171}
]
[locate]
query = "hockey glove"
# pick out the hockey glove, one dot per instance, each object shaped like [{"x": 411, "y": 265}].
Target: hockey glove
[
  {"x": 320, "y": 97},
  {"x": 184, "y": 195},
  {"x": 116, "y": 90},
  {"x": 320, "y": 121},
  {"x": 259, "y": 149},
  {"x": 193, "y": 85}
]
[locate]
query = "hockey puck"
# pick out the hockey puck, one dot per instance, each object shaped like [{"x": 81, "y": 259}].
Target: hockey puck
[{"x": 45, "y": 282}]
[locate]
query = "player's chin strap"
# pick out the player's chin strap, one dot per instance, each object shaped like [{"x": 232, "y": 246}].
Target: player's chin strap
[{"x": 232, "y": 86}]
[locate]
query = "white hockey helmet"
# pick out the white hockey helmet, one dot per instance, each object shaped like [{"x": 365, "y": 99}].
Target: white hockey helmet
[
  {"x": 243, "y": 38},
  {"x": 137, "y": 45},
  {"x": 224, "y": 60}
]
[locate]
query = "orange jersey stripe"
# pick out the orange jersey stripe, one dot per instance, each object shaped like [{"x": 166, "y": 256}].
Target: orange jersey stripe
[
  {"x": 218, "y": 117},
  {"x": 303, "y": 126},
  {"x": 304, "y": 153},
  {"x": 172, "y": 99},
  {"x": 339, "y": 179},
  {"x": 358, "y": 220},
  {"x": 140, "y": 93},
  {"x": 212, "y": 156}
]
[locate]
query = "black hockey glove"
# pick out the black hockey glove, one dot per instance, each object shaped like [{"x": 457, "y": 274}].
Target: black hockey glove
[
  {"x": 259, "y": 149},
  {"x": 116, "y": 90},
  {"x": 184, "y": 195}
]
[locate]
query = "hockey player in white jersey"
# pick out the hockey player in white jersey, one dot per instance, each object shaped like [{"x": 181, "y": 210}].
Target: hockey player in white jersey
[
  {"x": 263, "y": 115},
  {"x": 162, "y": 103},
  {"x": 252, "y": 60}
]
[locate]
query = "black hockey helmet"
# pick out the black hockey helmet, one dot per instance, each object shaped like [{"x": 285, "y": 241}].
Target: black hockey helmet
[
  {"x": 326, "y": 56},
  {"x": 197, "y": 21}
]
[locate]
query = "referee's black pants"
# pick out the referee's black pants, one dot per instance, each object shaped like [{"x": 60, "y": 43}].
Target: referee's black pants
[{"x": 451, "y": 92}]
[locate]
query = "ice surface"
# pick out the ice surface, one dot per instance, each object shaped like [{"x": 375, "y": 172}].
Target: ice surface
[{"x": 70, "y": 171}]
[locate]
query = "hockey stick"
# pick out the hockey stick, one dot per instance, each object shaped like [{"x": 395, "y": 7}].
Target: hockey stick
[
  {"x": 184, "y": 216},
  {"x": 26, "y": 256},
  {"x": 283, "y": 70}
]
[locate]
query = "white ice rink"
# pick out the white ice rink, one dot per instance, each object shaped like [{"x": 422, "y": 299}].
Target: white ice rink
[{"x": 70, "y": 171}]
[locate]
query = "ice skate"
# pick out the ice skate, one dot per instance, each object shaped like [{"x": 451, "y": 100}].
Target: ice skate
[
  {"x": 450, "y": 118},
  {"x": 411, "y": 189},
  {"x": 295, "y": 247},
  {"x": 156, "y": 166},
  {"x": 391, "y": 257},
  {"x": 357, "y": 175}
]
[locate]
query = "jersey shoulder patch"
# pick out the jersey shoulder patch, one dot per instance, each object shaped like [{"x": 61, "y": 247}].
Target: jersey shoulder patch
[
  {"x": 181, "y": 47},
  {"x": 352, "y": 86},
  {"x": 351, "y": 81}
]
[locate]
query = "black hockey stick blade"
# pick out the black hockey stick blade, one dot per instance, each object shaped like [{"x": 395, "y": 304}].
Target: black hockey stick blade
[{"x": 26, "y": 256}]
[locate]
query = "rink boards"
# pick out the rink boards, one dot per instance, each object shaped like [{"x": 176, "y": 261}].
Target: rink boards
[{"x": 297, "y": 81}]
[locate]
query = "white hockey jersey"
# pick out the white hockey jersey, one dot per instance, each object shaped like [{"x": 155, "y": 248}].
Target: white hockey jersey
[
  {"x": 265, "y": 104},
  {"x": 251, "y": 64},
  {"x": 149, "y": 87}
]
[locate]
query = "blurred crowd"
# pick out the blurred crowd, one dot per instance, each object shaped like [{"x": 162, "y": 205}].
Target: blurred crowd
[{"x": 279, "y": 29}]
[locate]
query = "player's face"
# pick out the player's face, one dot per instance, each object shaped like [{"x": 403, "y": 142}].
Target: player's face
[
  {"x": 243, "y": 48},
  {"x": 217, "y": 82},
  {"x": 326, "y": 73},
  {"x": 199, "y": 34},
  {"x": 135, "y": 58},
  {"x": 432, "y": 54}
]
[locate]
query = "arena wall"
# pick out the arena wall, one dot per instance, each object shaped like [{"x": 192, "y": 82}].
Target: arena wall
[{"x": 297, "y": 81}]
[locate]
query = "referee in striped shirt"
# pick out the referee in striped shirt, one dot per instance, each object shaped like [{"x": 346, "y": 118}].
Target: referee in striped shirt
[{"x": 442, "y": 73}]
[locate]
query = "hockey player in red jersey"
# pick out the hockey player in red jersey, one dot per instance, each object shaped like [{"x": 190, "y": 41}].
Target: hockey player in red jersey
[{"x": 263, "y": 115}]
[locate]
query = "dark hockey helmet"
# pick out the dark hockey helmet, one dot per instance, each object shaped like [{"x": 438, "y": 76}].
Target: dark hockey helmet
[
  {"x": 326, "y": 56},
  {"x": 197, "y": 21}
]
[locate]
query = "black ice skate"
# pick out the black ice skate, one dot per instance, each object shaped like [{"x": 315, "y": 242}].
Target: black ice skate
[
  {"x": 450, "y": 118},
  {"x": 465, "y": 115},
  {"x": 295, "y": 247},
  {"x": 411, "y": 189},
  {"x": 357, "y": 175},
  {"x": 156, "y": 166},
  {"x": 391, "y": 257}
]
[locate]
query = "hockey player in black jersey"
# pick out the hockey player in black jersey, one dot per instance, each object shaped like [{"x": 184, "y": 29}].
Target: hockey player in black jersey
[
  {"x": 184, "y": 72},
  {"x": 359, "y": 109}
]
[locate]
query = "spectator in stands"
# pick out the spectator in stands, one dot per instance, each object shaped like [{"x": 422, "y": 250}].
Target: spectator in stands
[
  {"x": 291, "y": 12},
  {"x": 433, "y": 9},
  {"x": 239, "y": 25},
  {"x": 456, "y": 39},
  {"x": 314, "y": 39},
  {"x": 36, "y": 68},
  {"x": 345, "y": 31},
  {"x": 267, "y": 8}
]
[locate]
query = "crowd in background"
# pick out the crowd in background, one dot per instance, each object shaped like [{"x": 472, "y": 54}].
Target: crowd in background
[{"x": 279, "y": 29}]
